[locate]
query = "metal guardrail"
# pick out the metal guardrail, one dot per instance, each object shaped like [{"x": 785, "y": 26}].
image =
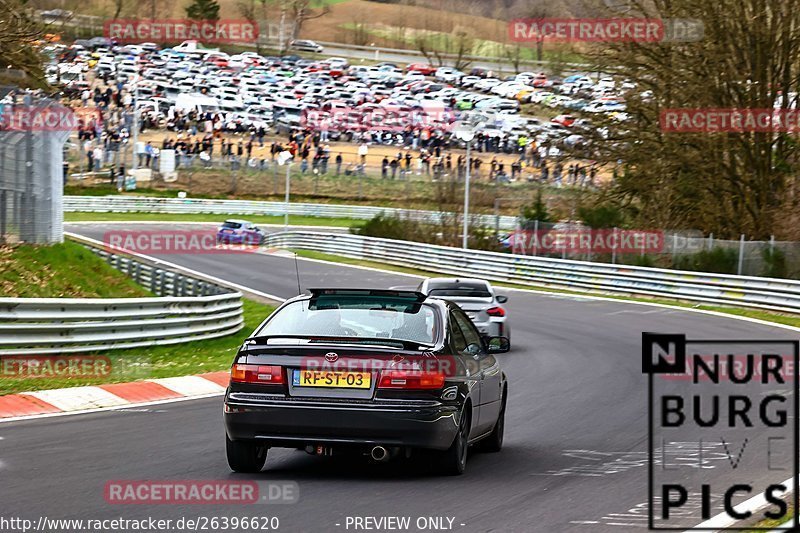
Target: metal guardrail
[
  {"x": 188, "y": 309},
  {"x": 713, "y": 289},
  {"x": 137, "y": 204}
]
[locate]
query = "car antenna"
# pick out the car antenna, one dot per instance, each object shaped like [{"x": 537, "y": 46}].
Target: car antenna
[{"x": 297, "y": 271}]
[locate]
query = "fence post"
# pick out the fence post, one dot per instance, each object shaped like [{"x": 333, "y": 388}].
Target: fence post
[
  {"x": 771, "y": 245},
  {"x": 675, "y": 246},
  {"x": 741, "y": 254},
  {"x": 535, "y": 237},
  {"x": 614, "y": 248},
  {"x": 710, "y": 241}
]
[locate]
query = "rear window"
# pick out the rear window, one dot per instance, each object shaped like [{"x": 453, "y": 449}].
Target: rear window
[
  {"x": 231, "y": 225},
  {"x": 358, "y": 318},
  {"x": 469, "y": 290}
]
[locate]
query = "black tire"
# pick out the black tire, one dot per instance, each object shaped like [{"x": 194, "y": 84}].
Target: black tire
[
  {"x": 494, "y": 442},
  {"x": 245, "y": 457},
  {"x": 453, "y": 461}
]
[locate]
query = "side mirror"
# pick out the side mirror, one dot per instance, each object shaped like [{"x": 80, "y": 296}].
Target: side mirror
[
  {"x": 498, "y": 344},
  {"x": 501, "y": 299}
]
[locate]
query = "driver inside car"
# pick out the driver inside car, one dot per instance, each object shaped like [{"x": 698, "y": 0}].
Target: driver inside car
[{"x": 327, "y": 321}]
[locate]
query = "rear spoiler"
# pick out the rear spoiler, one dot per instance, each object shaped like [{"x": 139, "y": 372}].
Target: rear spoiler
[{"x": 378, "y": 293}]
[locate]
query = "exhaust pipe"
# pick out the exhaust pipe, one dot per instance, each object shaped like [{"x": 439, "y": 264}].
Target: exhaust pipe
[{"x": 379, "y": 454}]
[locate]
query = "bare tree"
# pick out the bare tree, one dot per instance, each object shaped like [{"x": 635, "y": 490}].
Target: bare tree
[
  {"x": 728, "y": 183},
  {"x": 359, "y": 32},
  {"x": 462, "y": 46},
  {"x": 118, "y": 5},
  {"x": 248, "y": 10},
  {"x": 301, "y": 12},
  {"x": 513, "y": 52},
  {"x": 19, "y": 30}
]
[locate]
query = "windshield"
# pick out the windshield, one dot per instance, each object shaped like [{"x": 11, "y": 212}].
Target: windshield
[
  {"x": 358, "y": 318},
  {"x": 466, "y": 290},
  {"x": 231, "y": 225}
]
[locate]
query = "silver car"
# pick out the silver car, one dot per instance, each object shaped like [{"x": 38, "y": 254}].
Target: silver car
[{"x": 477, "y": 298}]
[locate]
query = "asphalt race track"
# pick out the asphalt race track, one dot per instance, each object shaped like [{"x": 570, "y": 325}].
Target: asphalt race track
[{"x": 578, "y": 402}]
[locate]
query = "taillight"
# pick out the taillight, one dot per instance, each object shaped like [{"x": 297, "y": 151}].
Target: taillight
[
  {"x": 411, "y": 379},
  {"x": 265, "y": 374},
  {"x": 496, "y": 311}
]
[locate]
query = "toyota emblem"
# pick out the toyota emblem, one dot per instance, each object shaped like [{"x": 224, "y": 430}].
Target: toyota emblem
[{"x": 331, "y": 357}]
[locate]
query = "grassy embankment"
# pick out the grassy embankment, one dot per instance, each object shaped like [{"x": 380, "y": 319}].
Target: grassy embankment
[{"x": 69, "y": 270}]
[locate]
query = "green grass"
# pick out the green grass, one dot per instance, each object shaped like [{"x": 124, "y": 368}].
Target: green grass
[
  {"x": 156, "y": 362},
  {"x": 104, "y": 189},
  {"x": 65, "y": 270},
  {"x": 771, "y": 523},
  {"x": 789, "y": 320},
  {"x": 445, "y": 42},
  {"x": 294, "y": 220}
]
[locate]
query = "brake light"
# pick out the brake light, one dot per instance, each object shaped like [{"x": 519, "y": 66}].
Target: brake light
[
  {"x": 241, "y": 373},
  {"x": 496, "y": 311},
  {"x": 411, "y": 379}
]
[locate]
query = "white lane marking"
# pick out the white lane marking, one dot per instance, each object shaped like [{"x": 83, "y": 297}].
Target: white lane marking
[
  {"x": 585, "y": 297},
  {"x": 663, "y": 306},
  {"x": 190, "y": 271},
  {"x": 361, "y": 267},
  {"x": 116, "y": 408},
  {"x": 141, "y": 222},
  {"x": 722, "y": 516},
  {"x": 501, "y": 289},
  {"x": 723, "y": 520},
  {"x": 78, "y": 398},
  {"x": 625, "y": 311},
  {"x": 189, "y": 385},
  {"x": 276, "y": 252},
  {"x": 716, "y": 519},
  {"x": 188, "y": 223}
]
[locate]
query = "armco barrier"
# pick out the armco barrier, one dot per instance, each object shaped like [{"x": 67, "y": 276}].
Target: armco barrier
[
  {"x": 188, "y": 309},
  {"x": 713, "y": 289},
  {"x": 141, "y": 204}
]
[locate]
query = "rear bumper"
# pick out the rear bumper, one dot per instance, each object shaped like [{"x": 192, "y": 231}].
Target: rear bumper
[
  {"x": 493, "y": 328},
  {"x": 282, "y": 422}
]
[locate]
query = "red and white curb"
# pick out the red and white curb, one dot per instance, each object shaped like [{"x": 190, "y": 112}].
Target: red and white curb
[{"x": 73, "y": 400}]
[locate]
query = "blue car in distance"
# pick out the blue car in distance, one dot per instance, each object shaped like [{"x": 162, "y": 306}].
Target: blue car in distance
[{"x": 240, "y": 232}]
